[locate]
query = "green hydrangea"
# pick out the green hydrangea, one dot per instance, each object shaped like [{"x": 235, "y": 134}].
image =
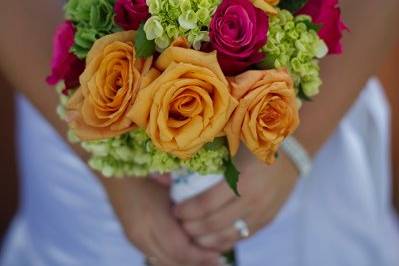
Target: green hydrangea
[
  {"x": 92, "y": 19},
  {"x": 172, "y": 18},
  {"x": 84, "y": 39},
  {"x": 293, "y": 43},
  {"x": 61, "y": 108},
  {"x": 133, "y": 154},
  {"x": 210, "y": 159}
]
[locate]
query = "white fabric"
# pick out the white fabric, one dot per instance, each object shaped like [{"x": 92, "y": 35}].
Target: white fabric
[{"x": 340, "y": 215}]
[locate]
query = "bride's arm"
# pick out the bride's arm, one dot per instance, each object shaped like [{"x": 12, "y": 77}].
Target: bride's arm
[
  {"x": 373, "y": 31},
  {"x": 26, "y": 29},
  {"x": 25, "y": 50}
]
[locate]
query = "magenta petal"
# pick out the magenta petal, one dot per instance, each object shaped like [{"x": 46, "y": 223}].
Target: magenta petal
[
  {"x": 65, "y": 65},
  {"x": 237, "y": 32},
  {"x": 232, "y": 66},
  {"x": 328, "y": 14},
  {"x": 130, "y": 13}
]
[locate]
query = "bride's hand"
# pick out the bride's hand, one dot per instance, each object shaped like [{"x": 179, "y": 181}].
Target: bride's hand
[
  {"x": 209, "y": 218},
  {"x": 144, "y": 209}
]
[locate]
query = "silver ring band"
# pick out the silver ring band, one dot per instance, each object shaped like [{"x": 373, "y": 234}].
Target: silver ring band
[{"x": 242, "y": 228}]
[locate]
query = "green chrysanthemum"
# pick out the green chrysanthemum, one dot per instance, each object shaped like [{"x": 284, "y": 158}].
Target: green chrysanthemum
[
  {"x": 92, "y": 19},
  {"x": 131, "y": 154},
  {"x": 171, "y": 18},
  {"x": 293, "y": 42}
]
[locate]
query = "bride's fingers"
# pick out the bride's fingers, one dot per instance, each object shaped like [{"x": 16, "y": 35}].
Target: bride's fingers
[
  {"x": 205, "y": 203},
  {"x": 157, "y": 257},
  {"x": 164, "y": 179},
  {"x": 225, "y": 239},
  {"x": 176, "y": 246},
  {"x": 217, "y": 221}
]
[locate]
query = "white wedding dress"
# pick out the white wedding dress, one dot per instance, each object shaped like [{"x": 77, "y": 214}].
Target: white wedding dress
[{"x": 339, "y": 215}]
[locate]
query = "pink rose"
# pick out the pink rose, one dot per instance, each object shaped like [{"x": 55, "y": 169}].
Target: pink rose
[
  {"x": 237, "y": 32},
  {"x": 130, "y": 13},
  {"x": 328, "y": 14},
  {"x": 64, "y": 64}
]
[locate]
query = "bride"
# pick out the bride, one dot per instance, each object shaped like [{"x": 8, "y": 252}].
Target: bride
[{"x": 340, "y": 214}]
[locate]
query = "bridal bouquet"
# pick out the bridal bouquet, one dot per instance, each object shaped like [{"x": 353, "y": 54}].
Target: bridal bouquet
[
  {"x": 158, "y": 86},
  {"x": 175, "y": 86}
]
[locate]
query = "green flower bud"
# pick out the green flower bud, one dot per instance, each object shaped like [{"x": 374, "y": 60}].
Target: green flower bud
[
  {"x": 311, "y": 88},
  {"x": 294, "y": 44},
  {"x": 154, "y": 6},
  {"x": 203, "y": 16},
  {"x": 204, "y": 4},
  {"x": 172, "y": 31},
  {"x": 303, "y": 18},
  {"x": 72, "y": 137},
  {"x": 153, "y": 28},
  {"x": 321, "y": 49},
  {"x": 209, "y": 160},
  {"x": 84, "y": 39},
  {"x": 188, "y": 20},
  {"x": 174, "y": 3},
  {"x": 185, "y": 6},
  {"x": 91, "y": 14},
  {"x": 162, "y": 42}
]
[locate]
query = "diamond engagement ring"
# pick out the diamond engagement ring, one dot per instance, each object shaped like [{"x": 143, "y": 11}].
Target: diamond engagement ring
[{"x": 242, "y": 228}]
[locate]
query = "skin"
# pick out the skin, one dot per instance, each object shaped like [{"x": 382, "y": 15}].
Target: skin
[
  {"x": 209, "y": 217},
  {"x": 149, "y": 223}
]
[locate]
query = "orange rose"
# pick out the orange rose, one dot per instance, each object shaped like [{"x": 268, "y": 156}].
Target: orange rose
[
  {"x": 266, "y": 114},
  {"x": 186, "y": 106},
  {"x": 108, "y": 88}
]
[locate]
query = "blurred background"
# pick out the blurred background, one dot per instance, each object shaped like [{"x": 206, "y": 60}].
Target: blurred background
[{"x": 388, "y": 74}]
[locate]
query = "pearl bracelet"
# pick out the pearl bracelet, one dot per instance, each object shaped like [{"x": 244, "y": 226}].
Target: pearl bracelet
[{"x": 298, "y": 155}]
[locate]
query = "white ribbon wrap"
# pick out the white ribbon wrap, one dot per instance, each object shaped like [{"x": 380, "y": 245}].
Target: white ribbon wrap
[{"x": 187, "y": 185}]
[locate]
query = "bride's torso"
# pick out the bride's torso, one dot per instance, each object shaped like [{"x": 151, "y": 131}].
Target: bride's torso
[{"x": 339, "y": 215}]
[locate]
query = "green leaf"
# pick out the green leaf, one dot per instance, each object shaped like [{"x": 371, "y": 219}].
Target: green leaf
[
  {"x": 144, "y": 47},
  {"x": 312, "y": 26},
  {"x": 267, "y": 63},
  {"x": 292, "y": 5},
  {"x": 232, "y": 175},
  {"x": 215, "y": 144},
  {"x": 230, "y": 257}
]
